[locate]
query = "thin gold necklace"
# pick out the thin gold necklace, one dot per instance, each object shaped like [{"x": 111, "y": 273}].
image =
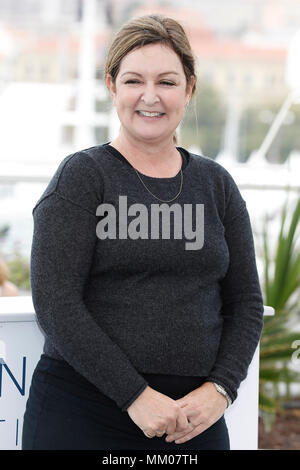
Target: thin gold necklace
[{"x": 162, "y": 200}]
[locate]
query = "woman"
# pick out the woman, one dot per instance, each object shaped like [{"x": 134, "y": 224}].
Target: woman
[{"x": 150, "y": 326}]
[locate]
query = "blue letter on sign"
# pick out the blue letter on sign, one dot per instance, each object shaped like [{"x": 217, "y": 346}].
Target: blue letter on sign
[{"x": 20, "y": 388}]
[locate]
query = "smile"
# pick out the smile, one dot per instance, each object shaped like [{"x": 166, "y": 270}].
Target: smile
[{"x": 148, "y": 115}]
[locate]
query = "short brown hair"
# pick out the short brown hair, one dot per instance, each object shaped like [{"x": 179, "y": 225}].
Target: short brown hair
[{"x": 147, "y": 29}]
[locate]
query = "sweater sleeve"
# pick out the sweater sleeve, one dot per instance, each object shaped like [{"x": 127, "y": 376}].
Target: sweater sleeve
[
  {"x": 242, "y": 302},
  {"x": 63, "y": 244}
]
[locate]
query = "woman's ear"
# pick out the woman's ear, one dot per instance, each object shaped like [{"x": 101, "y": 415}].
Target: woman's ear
[
  {"x": 189, "y": 88},
  {"x": 110, "y": 86}
]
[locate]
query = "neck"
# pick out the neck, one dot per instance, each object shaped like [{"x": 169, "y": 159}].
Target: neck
[{"x": 160, "y": 157}]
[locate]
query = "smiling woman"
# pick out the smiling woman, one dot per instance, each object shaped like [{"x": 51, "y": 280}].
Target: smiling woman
[{"x": 145, "y": 335}]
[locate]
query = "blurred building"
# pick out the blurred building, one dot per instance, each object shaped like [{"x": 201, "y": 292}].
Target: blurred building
[
  {"x": 253, "y": 74},
  {"x": 230, "y": 64},
  {"x": 33, "y": 12},
  {"x": 237, "y": 16}
]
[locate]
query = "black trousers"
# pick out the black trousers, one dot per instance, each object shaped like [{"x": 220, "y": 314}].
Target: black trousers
[{"x": 65, "y": 411}]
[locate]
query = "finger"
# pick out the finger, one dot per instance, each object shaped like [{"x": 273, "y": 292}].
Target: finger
[
  {"x": 178, "y": 434},
  {"x": 182, "y": 423},
  {"x": 180, "y": 438},
  {"x": 190, "y": 436}
]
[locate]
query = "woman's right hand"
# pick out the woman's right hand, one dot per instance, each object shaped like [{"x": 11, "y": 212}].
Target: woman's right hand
[{"x": 156, "y": 414}]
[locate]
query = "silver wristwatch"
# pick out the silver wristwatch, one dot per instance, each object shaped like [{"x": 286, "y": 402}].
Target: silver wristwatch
[{"x": 223, "y": 391}]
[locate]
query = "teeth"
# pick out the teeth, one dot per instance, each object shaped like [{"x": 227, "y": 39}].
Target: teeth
[{"x": 145, "y": 113}]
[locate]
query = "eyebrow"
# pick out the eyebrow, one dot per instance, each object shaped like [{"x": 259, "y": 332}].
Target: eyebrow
[{"x": 163, "y": 73}]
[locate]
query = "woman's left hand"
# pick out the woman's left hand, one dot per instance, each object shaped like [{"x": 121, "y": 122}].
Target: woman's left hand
[{"x": 203, "y": 407}]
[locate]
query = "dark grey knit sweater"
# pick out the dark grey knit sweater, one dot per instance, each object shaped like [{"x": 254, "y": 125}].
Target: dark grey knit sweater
[{"x": 156, "y": 295}]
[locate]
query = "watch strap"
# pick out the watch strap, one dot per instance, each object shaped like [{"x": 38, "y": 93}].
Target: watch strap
[{"x": 222, "y": 390}]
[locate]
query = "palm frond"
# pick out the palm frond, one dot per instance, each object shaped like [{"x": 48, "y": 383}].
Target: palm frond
[{"x": 281, "y": 291}]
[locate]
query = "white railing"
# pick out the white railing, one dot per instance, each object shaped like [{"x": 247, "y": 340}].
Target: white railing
[{"x": 21, "y": 344}]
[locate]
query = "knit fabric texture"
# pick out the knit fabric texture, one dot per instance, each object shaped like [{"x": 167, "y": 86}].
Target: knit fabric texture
[{"x": 123, "y": 284}]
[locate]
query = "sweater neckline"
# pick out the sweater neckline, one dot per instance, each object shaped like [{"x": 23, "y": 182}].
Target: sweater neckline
[{"x": 185, "y": 165}]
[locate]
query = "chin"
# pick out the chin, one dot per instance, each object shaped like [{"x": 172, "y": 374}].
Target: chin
[{"x": 148, "y": 136}]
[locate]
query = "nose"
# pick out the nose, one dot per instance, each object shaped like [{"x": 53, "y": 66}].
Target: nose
[{"x": 149, "y": 97}]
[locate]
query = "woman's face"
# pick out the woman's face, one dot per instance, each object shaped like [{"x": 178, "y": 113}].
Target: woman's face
[{"x": 150, "y": 79}]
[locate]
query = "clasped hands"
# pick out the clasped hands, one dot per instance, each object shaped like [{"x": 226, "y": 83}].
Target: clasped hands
[{"x": 156, "y": 414}]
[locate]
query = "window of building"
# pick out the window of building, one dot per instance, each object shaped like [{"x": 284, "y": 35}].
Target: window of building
[{"x": 68, "y": 135}]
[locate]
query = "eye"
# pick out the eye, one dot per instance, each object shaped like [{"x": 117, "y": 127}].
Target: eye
[{"x": 163, "y": 81}]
